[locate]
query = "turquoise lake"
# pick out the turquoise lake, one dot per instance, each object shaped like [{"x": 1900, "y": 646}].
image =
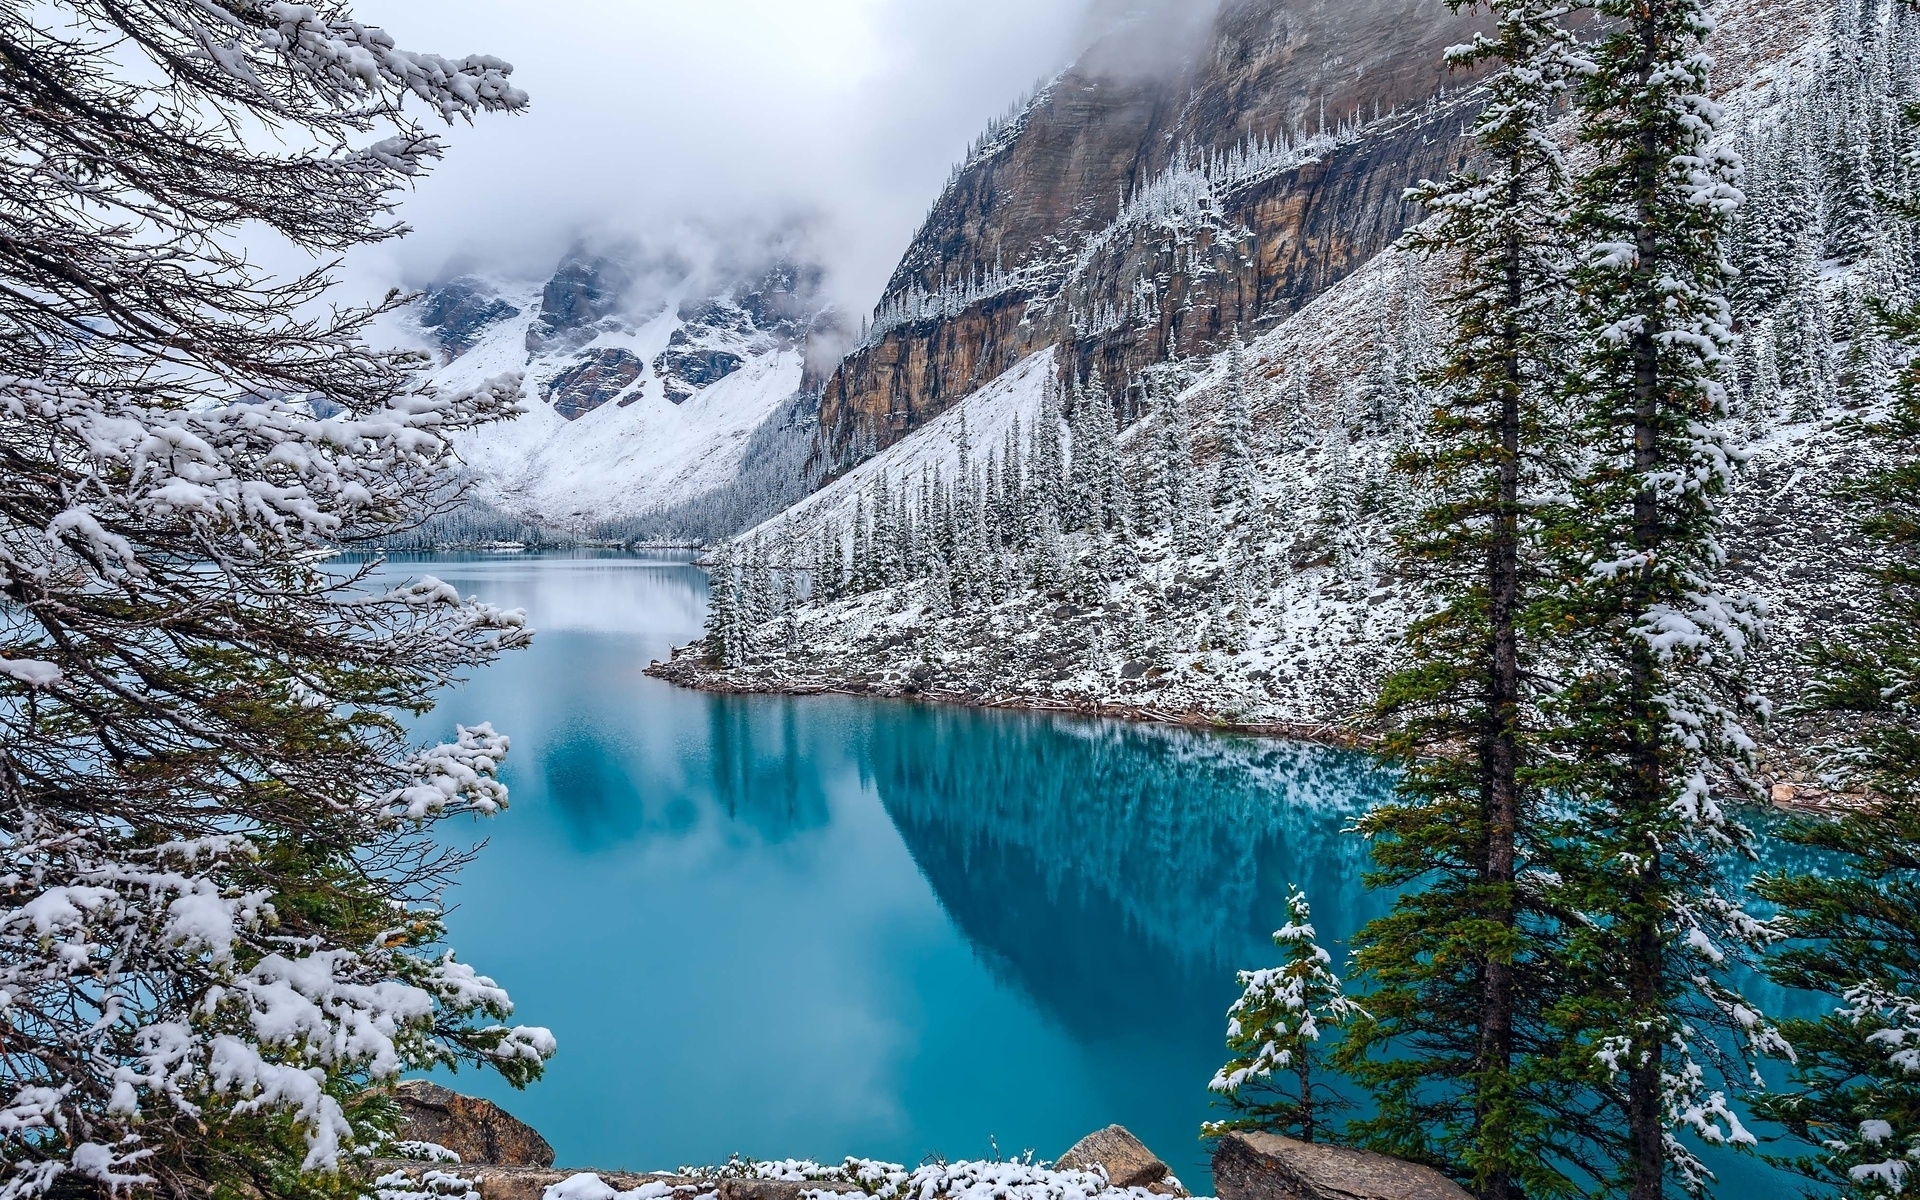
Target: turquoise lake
[{"x": 815, "y": 927}]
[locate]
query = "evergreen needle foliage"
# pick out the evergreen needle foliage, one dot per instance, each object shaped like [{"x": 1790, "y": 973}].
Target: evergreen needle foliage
[
  {"x": 1649, "y": 711},
  {"x": 219, "y": 924},
  {"x": 1274, "y": 1029},
  {"x": 1855, "y": 1093},
  {"x": 1455, "y": 1046}
]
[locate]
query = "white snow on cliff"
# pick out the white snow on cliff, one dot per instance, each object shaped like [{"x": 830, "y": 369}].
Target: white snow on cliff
[
  {"x": 987, "y": 414},
  {"x": 629, "y": 455}
]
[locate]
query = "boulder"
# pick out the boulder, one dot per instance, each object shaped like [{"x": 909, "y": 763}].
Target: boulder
[
  {"x": 479, "y": 1131},
  {"x": 1127, "y": 1162},
  {"x": 1265, "y": 1166}
]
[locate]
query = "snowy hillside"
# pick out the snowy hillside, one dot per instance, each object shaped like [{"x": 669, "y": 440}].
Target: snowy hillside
[
  {"x": 642, "y": 393},
  {"x": 1143, "y": 579},
  {"x": 982, "y": 420}
]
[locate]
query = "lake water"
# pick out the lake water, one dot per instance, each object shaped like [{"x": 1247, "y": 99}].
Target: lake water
[{"x": 824, "y": 926}]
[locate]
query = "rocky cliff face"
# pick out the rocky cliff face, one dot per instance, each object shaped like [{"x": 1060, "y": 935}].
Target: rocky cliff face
[{"x": 1172, "y": 185}]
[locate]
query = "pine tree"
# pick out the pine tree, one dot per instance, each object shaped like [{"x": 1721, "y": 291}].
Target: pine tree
[
  {"x": 1763, "y": 397},
  {"x": 1650, "y": 704},
  {"x": 832, "y": 578},
  {"x": 886, "y": 530},
  {"x": 1176, "y": 471},
  {"x": 1863, "y": 378},
  {"x": 1273, "y": 1033},
  {"x": 757, "y": 599},
  {"x": 1079, "y": 505},
  {"x": 1236, "y": 485},
  {"x": 221, "y": 932},
  {"x": 1851, "y": 214},
  {"x": 863, "y": 574},
  {"x": 1049, "y": 458},
  {"x": 1295, "y": 422},
  {"x": 1153, "y": 509},
  {"x": 1454, "y": 1043},
  {"x": 1334, "y": 506},
  {"x": 1805, "y": 353},
  {"x": 1854, "y": 1098},
  {"x": 721, "y": 617},
  {"x": 1115, "y": 502},
  {"x": 1380, "y": 394}
]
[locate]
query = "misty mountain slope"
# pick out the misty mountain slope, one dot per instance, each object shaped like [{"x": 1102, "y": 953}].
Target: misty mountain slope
[
  {"x": 1169, "y": 187},
  {"x": 641, "y": 392},
  {"x": 1286, "y": 608}
]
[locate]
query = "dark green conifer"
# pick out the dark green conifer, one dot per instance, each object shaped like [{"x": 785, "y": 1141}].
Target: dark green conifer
[
  {"x": 1854, "y": 1099},
  {"x": 1450, "y": 1044},
  {"x": 1649, "y": 705}
]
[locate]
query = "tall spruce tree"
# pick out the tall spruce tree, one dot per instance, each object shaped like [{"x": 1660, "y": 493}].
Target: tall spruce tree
[
  {"x": 1453, "y": 1040},
  {"x": 720, "y": 642},
  {"x": 1236, "y": 483},
  {"x": 1650, "y": 705},
  {"x": 1176, "y": 469}
]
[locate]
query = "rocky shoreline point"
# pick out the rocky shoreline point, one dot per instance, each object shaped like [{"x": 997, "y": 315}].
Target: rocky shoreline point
[{"x": 455, "y": 1147}]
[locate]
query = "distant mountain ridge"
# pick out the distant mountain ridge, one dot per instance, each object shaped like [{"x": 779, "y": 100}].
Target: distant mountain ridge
[
  {"x": 646, "y": 380},
  {"x": 973, "y": 559}
]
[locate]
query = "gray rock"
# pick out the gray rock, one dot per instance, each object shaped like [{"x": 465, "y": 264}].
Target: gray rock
[
  {"x": 1127, "y": 1161},
  {"x": 777, "y": 1189},
  {"x": 1265, "y": 1166},
  {"x": 460, "y": 310},
  {"x": 479, "y": 1131},
  {"x": 595, "y": 378},
  {"x": 584, "y": 290},
  {"x": 684, "y": 369}
]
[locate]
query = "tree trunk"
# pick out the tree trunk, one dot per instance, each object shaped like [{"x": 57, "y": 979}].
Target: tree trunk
[
  {"x": 1501, "y": 818},
  {"x": 1645, "y": 1122}
]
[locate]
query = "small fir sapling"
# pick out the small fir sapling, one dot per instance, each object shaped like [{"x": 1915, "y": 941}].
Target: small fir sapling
[{"x": 1273, "y": 1033}]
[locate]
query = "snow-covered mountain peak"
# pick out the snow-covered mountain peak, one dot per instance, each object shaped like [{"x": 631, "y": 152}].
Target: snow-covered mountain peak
[{"x": 644, "y": 377}]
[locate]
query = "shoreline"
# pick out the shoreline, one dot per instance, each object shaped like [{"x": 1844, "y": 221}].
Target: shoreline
[{"x": 685, "y": 670}]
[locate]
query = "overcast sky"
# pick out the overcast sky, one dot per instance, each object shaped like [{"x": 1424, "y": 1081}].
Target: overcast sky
[{"x": 648, "y": 114}]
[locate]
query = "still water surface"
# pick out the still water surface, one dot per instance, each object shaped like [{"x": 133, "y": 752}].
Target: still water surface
[{"x": 824, "y": 926}]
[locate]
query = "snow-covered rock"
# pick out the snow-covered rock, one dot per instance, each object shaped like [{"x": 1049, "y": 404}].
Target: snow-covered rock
[{"x": 644, "y": 380}]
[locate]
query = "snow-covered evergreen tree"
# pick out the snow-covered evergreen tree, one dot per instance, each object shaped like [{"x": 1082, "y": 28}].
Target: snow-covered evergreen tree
[
  {"x": 720, "y": 641},
  {"x": 1650, "y": 704},
  {"x": 1176, "y": 474},
  {"x": 1273, "y": 1034},
  {"x": 1336, "y": 505},
  {"x": 1237, "y": 470},
  {"x": 1851, "y": 216},
  {"x": 221, "y": 924},
  {"x": 1854, "y": 1099},
  {"x": 1467, "y": 965}
]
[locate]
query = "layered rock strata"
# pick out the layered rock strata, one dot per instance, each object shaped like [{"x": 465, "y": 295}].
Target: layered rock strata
[{"x": 1136, "y": 211}]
